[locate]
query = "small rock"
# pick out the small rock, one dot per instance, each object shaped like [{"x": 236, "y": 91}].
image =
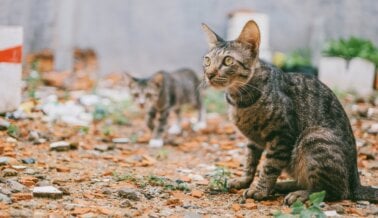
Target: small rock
[
  {"x": 18, "y": 167},
  {"x": 21, "y": 196},
  {"x": 365, "y": 203},
  {"x": 373, "y": 129},
  {"x": 197, "y": 193},
  {"x": 29, "y": 160},
  {"x": 331, "y": 213},
  {"x": 196, "y": 177},
  {"x": 47, "y": 192},
  {"x": 60, "y": 146},
  {"x": 4, "y": 124},
  {"x": 129, "y": 193},
  {"x": 9, "y": 172},
  {"x": 125, "y": 204},
  {"x": 4, "y": 160},
  {"x": 5, "y": 199},
  {"x": 121, "y": 140},
  {"x": 102, "y": 148},
  {"x": 339, "y": 208},
  {"x": 15, "y": 186}
]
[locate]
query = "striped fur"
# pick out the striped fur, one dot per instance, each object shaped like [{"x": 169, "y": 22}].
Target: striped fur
[
  {"x": 295, "y": 118},
  {"x": 166, "y": 92}
]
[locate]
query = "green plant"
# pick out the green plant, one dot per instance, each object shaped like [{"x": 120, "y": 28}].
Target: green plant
[
  {"x": 13, "y": 131},
  {"x": 107, "y": 130},
  {"x": 162, "y": 154},
  {"x": 218, "y": 181},
  {"x": 32, "y": 82},
  {"x": 298, "y": 209},
  {"x": 351, "y": 48},
  {"x": 298, "y": 58}
]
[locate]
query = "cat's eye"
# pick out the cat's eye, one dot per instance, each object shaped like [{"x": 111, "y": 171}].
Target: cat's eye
[
  {"x": 136, "y": 95},
  {"x": 228, "y": 61},
  {"x": 206, "y": 61},
  {"x": 148, "y": 95}
]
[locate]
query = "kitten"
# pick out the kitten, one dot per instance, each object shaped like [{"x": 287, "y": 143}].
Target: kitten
[
  {"x": 295, "y": 118},
  {"x": 165, "y": 92}
]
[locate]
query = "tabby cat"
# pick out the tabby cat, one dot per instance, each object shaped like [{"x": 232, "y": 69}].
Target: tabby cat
[
  {"x": 296, "y": 119},
  {"x": 165, "y": 92}
]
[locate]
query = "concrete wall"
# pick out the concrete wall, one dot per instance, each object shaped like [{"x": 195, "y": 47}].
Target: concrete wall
[{"x": 142, "y": 36}]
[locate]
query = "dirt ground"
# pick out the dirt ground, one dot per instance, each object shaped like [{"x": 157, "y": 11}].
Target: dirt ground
[{"x": 100, "y": 174}]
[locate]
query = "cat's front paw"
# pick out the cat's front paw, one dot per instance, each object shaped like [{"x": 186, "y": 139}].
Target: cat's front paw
[
  {"x": 255, "y": 194},
  {"x": 301, "y": 195},
  {"x": 239, "y": 183},
  {"x": 199, "y": 126},
  {"x": 156, "y": 143},
  {"x": 174, "y": 129}
]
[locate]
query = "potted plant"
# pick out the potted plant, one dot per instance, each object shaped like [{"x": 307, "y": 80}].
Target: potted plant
[
  {"x": 297, "y": 61},
  {"x": 349, "y": 65}
]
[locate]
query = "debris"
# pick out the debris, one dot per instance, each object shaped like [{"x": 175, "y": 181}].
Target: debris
[
  {"x": 5, "y": 199},
  {"x": 60, "y": 146},
  {"x": 130, "y": 194},
  {"x": 197, "y": 193},
  {"x": 29, "y": 160},
  {"x": 121, "y": 140},
  {"x": 47, "y": 192},
  {"x": 9, "y": 172}
]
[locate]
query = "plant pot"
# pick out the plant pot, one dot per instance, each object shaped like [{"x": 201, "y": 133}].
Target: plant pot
[{"x": 355, "y": 75}]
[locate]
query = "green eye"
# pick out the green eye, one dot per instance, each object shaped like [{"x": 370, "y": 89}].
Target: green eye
[
  {"x": 206, "y": 61},
  {"x": 228, "y": 61}
]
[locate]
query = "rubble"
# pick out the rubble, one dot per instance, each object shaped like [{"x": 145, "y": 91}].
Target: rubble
[{"x": 47, "y": 192}]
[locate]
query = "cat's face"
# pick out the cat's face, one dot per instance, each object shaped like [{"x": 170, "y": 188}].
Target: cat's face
[
  {"x": 230, "y": 63},
  {"x": 145, "y": 92}
]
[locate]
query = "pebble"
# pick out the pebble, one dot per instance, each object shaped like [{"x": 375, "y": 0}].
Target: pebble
[
  {"x": 121, "y": 140},
  {"x": 16, "y": 186},
  {"x": 4, "y": 160},
  {"x": 5, "y": 199},
  {"x": 373, "y": 129},
  {"x": 4, "y": 124},
  {"x": 196, "y": 177},
  {"x": 47, "y": 192},
  {"x": 9, "y": 172},
  {"x": 102, "y": 148},
  {"x": 130, "y": 194},
  {"x": 29, "y": 160},
  {"x": 125, "y": 204},
  {"x": 339, "y": 208},
  {"x": 331, "y": 213},
  {"x": 60, "y": 146}
]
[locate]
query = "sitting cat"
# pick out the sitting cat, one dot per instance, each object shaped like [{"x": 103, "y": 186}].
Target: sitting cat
[
  {"x": 165, "y": 92},
  {"x": 295, "y": 118}
]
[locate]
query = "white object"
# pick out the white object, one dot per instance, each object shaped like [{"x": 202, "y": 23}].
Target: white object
[
  {"x": 339, "y": 74},
  {"x": 175, "y": 129},
  {"x": 10, "y": 73},
  {"x": 61, "y": 145},
  {"x": 156, "y": 143},
  {"x": 199, "y": 126},
  {"x": 121, "y": 140},
  {"x": 238, "y": 19}
]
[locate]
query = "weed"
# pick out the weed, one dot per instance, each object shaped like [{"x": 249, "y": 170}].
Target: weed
[
  {"x": 13, "y": 131},
  {"x": 298, "y": 209},
  {"x": 218, "y": 181}
]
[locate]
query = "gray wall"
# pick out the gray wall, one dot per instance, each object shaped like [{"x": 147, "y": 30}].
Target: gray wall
[{"x": 142, "y": 36}]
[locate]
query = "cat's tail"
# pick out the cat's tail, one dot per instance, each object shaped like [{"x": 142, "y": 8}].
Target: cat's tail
[{"x": 366, "y": 193}]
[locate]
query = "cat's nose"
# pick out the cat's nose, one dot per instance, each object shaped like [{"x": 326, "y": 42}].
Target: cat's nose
[{"x": 211, "y": 75}]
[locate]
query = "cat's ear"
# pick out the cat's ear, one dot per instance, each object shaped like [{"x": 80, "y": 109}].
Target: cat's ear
[
  {"x": 158, "y": 79},
  {"x": 250, "y": 34},
  {"x": 212, "y": 38},
  {"x": 129, "y": 79}
]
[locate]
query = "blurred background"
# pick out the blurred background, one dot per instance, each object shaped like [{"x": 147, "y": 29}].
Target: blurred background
[{"x": 142, "y": 36}]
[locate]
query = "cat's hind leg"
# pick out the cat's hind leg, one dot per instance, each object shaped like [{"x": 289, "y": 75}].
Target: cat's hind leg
[
  {"x": 175, "y": 129},
  {"x": 319, "y": 164}
]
